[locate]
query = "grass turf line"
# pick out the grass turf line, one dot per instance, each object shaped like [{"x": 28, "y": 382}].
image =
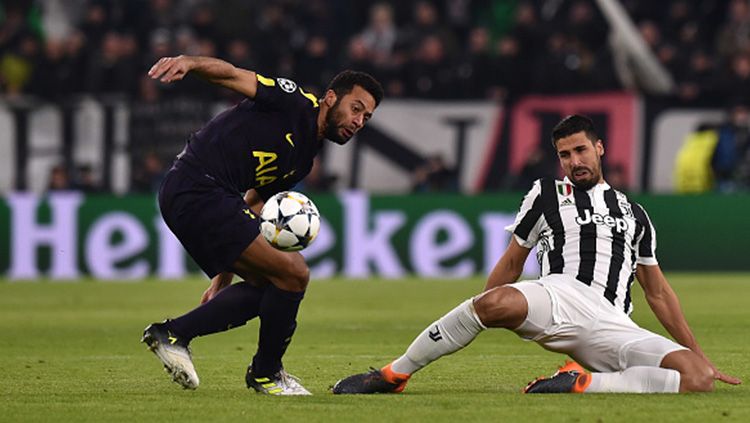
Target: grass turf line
[{"x": 70, "y": 352}]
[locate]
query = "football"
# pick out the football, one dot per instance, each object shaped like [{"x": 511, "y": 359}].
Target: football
[{"x": 289, "y": 221}]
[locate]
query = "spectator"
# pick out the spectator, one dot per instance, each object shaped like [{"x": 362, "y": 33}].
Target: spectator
[
  {"x": 86, "y": 181},
  {"x": 113, "y": 68},
  {"x": 528, "y": 31},
  {"x": 148, "y": 175},
  {"x": 538, "y": 165},
  {"x": 434, "y": 175},
  {"x": 318, "y": 180},
  {"x": 510, "y": 69},
  {"x": 426, "y": 23},
  {"x": 76, "y": 60},
  {"x": 734, "y": 36},
  {"x": 95, "y": 23},
  {"x": 616, "y": 177},
  {"x": 583, "y": 26},
  {"x": 475, "y": 72},
  {"x": 731, "y": 159},
  {"x": 698, "y": 80},
  {"x": 313, "y": 65},
  {"x": 59, "y": 179},
  {"x": 17, "y": 65},
  {"x": 379, "y": 38},
  {"x": 736, "y": 80},
  {"x": 430, "y": 73},
  {"x": 51, "y": 73}
]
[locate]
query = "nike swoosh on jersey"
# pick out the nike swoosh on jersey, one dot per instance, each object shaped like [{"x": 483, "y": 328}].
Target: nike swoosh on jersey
[{"x": 288, "y": 138}]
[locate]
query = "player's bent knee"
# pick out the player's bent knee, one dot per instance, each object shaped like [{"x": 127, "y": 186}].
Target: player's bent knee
[
  {"x": 501, "y": 307},
  {"x": 301, "y": 277},
  {"x": 699, "y": 379},
  {"x": 696, "y": 375},
  {"x": 296, "y": 275},
  {"x": 696, "y": 383}
]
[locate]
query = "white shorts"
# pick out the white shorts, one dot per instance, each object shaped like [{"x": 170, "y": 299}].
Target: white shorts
[{"x": 567, "y": 317}]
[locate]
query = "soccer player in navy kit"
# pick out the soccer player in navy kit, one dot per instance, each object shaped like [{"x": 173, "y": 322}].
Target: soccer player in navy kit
[{"x": 212, "y": 196}]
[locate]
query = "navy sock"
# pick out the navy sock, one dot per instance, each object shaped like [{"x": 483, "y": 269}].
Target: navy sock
[
  {"x": 278, "y": 320},
  {"x": 233, "y": 306}
]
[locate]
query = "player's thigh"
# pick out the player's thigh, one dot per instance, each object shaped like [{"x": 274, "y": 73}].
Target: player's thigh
[
  {"x": 214, "y": 225},
  {"x": 616, "y": 343},
  {"x": 286, "y": 270},
  {"x": 533, "y": 315},
  {"x": 557, "y": 313}
]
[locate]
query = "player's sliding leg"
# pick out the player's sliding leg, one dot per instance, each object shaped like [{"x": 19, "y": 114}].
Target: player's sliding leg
[
  {"x": 654, "y": 364},
  {"x": 500, "y": 307},
  {"x": 279, "y": 306},
  {"x": 680, "y": 370},
  {"x": 447, "y": 335},
  {"x": 231, "y": 307},
  {"x": 572, "y": 378},
  {"x": 639, "y": 379}
]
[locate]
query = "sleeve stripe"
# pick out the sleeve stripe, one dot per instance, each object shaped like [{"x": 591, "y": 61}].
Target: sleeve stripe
[
  {"x": 529, "y": 219},
  {"x": 268, "y": 82},
  {"x": 646, "y": 246},
  {"x": 310, "y": 97}
]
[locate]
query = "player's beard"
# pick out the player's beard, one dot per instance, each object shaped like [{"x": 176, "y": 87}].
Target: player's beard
[
  {"x": 333, "y": 118},
  {"x": 587, "y": 184}
]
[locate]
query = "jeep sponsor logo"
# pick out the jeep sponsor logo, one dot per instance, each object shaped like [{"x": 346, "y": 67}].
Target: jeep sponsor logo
[{"x": 617, "y": 223}]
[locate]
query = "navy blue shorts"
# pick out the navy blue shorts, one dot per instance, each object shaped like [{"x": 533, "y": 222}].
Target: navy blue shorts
[{"x": 214, "y": 224}]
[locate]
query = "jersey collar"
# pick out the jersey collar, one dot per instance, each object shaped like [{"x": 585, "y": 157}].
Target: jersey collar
[{"x": 598, "y": 187}]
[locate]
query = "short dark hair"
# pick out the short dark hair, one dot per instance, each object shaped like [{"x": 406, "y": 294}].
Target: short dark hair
[
  {"x": 343, "y": 83},
  {"x": 574, "y": 124}
]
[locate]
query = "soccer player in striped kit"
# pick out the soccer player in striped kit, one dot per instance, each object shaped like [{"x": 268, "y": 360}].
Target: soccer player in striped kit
[{"x": 592, "y": 242}]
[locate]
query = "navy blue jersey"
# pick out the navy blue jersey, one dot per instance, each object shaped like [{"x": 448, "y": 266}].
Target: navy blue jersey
[{"x": 267, "y": 143}]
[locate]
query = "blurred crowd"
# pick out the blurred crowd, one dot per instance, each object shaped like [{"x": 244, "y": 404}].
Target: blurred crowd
[
  {"x": 426, "y": 49},
  {"x": 440, "y": 49}
]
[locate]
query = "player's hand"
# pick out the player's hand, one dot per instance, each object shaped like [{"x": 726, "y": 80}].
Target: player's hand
[
  {"x": 219, "y": 282},
  {"x": 169, "y": 69},
  {"x": 210, "y": 292},
  {"x": 718, "y": 375},
  {"x": 726, "y": 378}
]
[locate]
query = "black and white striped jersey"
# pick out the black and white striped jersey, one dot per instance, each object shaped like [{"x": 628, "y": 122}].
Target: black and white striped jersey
[{"x": 596, "y": 236}]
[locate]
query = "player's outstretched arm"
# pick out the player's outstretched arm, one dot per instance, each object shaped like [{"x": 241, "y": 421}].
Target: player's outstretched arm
[
  {"x": 508, "y": 269},
  {"x": 666, "y": 306},
  {"x": 217, "y": 71}
]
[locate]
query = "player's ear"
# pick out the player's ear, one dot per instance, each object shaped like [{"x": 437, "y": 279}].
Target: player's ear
[
  {"x": 330, "y": 98},
  {"x": 600, "y": 147}
]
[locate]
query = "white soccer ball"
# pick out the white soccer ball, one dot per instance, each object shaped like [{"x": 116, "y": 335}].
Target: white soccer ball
[{"x": 289, "y": 221}]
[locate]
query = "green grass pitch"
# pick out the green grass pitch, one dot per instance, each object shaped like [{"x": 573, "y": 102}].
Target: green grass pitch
[{"x": 70, "y": 352}]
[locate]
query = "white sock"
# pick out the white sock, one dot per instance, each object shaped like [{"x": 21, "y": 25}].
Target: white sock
[
  {"x": 638, "y": 379},
  {"x": 445, "y": 336}
]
